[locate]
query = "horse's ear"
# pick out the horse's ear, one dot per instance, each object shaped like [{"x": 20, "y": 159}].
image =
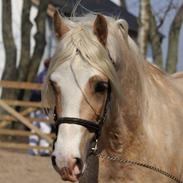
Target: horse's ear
[
  {"x": 60, "y": 27},
  {"x": 123, "y": 24},
  {"x": 100, "y": 29}
]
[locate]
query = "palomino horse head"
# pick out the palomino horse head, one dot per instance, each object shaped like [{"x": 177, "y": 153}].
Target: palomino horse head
[{"x": 78, "y": 86}]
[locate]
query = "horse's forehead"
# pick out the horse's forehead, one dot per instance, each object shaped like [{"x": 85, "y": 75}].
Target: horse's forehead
[
  {"x": 74, "y": 73},
  {"x": 72, "y": 77}
]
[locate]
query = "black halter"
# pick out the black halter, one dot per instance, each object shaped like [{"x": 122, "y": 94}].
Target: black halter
[{"x": 92, "y": 126}]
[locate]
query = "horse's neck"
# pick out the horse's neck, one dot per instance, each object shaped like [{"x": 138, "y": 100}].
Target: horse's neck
[
  {"x": 163, "y": 114},
  {"x": 144, "y": 91},
  {"x": 130, "y": 135},
  {"x": 123, "y": 134}
]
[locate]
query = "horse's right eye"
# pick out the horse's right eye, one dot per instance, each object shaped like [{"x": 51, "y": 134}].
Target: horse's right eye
[{"x": 101, "y": 87}]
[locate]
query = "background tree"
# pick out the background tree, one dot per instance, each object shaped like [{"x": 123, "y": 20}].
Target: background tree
[
  {"x": 26, "y": 26},
  {"x": 39, "y": 39},
  {"x": 155, "y": 39},
  {"x": 28, "y": 65},
  {"x": 154, "y": 35},
  {"x": 123, "y": 4},
  {"x": 149, "y": 33},
  {"x": 144, "y": 25},
  {"x": 9, "y": 72}
]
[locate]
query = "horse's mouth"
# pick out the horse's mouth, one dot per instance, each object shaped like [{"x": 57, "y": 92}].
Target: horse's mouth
[{"x": 70, "y": 173}]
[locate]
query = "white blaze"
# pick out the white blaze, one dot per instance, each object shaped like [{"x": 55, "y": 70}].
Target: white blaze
[{"x": 68, "y": 79}]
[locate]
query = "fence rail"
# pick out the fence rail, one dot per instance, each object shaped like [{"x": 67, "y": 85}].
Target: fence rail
[
  {"x": 23, "y": 103},
  {"x": 10, "y": 118},
  {"x": 20, "y": 85},
  {"x": 21, "y": 146},
  {"x": 22, "y": 133},
  {"x": 22, "y": 116}
]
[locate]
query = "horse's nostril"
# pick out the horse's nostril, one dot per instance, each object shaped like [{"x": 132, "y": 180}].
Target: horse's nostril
[
  {"x": 79, "y": 163},
  {"x": 53, "y": 159}
]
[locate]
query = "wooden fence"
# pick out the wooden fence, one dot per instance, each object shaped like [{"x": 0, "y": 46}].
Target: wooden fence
[{"x": 23, "y": 117}]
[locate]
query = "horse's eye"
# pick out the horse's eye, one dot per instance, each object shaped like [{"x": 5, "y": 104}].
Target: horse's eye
[{"x": 101, "y": 86}]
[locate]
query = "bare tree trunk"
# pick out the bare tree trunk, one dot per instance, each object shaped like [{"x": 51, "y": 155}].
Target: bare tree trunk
[
  {"x": 123, "y": 4},
  {"x": 26, "y": 26},
  {"x": 9, "y": 72},
  {"x": 144, "y": 17},
  {"x": 174, "y": 33},
  {"x": 25, "y": 41},
  {"x": 40, "y": 40},
  {"x": 156, "y": 40}
]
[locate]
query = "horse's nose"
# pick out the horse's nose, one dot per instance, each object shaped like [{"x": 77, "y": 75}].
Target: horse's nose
[
  {"x": 53, "y": 159},
  {"x": 75, "y": 165},
  {"x": 79, "y": 163},
  {"x": 72, "y": 171}
]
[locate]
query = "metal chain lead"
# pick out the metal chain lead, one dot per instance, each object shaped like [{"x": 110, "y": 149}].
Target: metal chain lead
[{"x": 115, "y": 158}]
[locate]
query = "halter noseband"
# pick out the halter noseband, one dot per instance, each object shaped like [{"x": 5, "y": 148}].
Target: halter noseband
[{"x": 92, "y": 126}]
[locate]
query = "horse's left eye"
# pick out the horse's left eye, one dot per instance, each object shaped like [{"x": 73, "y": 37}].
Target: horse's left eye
[{"x": 101, "y": 87}]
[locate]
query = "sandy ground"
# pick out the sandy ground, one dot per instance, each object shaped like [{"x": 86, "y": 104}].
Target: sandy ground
[{"x": 22, "y": 168}]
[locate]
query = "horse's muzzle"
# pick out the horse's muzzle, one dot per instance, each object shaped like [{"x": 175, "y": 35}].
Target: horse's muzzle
[{"x": 70, "y": 173}]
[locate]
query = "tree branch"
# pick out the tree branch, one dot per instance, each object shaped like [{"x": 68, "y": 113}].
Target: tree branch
[{"x": 163, "y": 17}]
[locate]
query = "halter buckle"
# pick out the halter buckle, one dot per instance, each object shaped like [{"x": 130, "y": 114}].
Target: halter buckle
[{"x": 95, "y": 148}]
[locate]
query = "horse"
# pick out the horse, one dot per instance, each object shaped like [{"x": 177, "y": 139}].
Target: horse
[{"x": 107, "y": 101}]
